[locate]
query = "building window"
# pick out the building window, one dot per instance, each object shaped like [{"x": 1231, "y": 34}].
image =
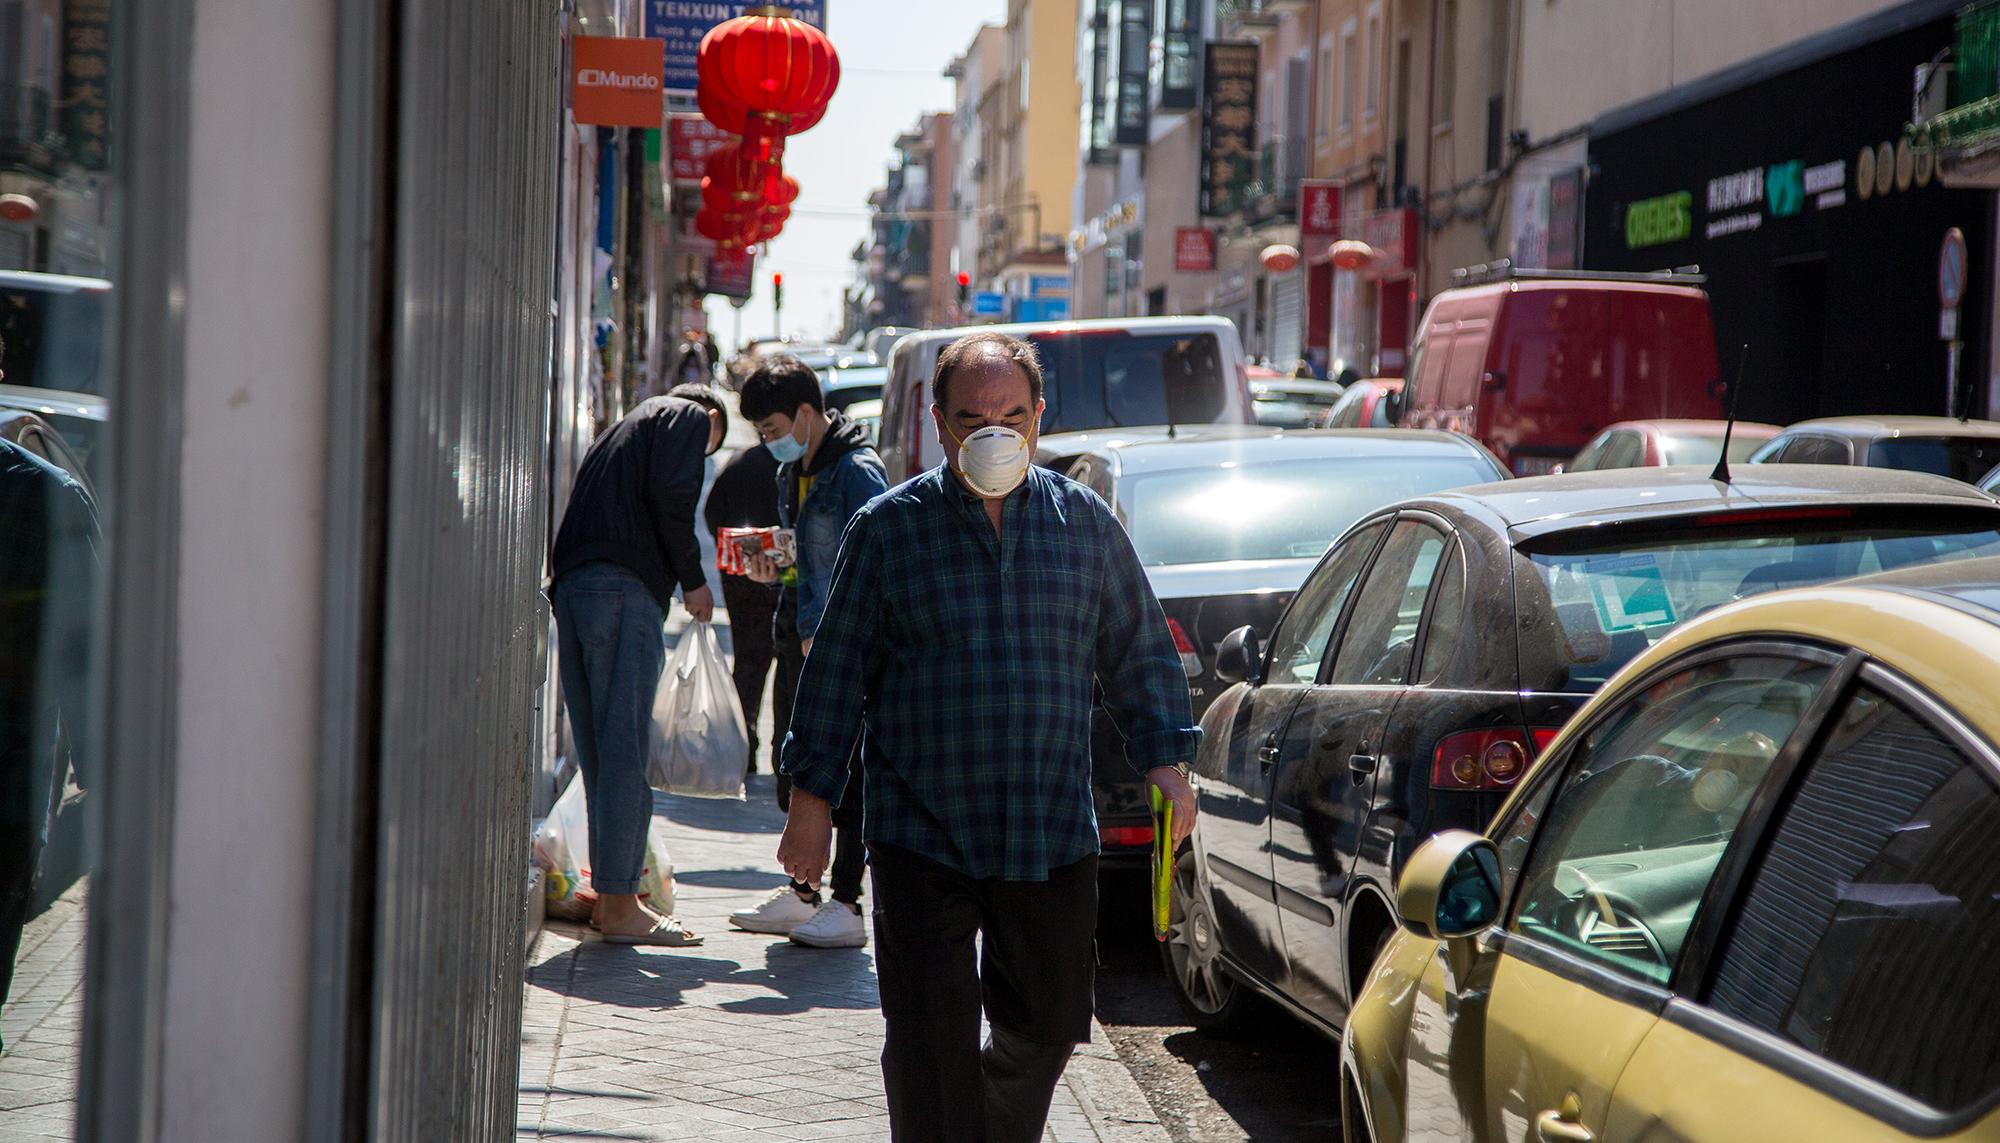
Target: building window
[
  {"x": 1024, "y": 85},
  {"x": 1371, "y": 62},
  {"x": 1350, "y": 65},
  {"x": 1323, "y": 114},
  {"x": 1447, "y": 61}
]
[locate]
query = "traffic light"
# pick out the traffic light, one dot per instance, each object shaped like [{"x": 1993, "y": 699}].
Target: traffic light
[
  {"x": 964, "y": 288},
  {"x": 777, "y": 291}
]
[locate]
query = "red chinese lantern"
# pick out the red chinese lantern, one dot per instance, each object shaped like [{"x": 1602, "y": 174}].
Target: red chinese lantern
[
  {"x": 770, "y": 222},
  {"x": 736, "y": 170},
  {"x": 735, "y": 119},
  {"x": 1280, "y": 259},
  {"x": 718, "y": 194},
  {"x": 1348, "y": 254},
  {"x": 717, "y": 226},
  {"x": 780, "y": 71},
  {"x": 781, "y": 189}
]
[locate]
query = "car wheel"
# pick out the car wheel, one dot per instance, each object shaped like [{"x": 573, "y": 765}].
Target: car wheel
[{"x": 1192, "y": 953}]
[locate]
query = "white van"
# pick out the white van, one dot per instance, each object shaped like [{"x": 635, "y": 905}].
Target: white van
[{"x": 1112, "y": 372}]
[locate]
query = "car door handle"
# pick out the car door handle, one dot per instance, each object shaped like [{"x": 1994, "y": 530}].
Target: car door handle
[
  {"x": 1562, "y": 1125},
  {"x": 1361, "y": 764},
  {"x": 1268, "y": 753}
]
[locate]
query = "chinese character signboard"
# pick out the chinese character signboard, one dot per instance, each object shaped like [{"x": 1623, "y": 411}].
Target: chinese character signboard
[
  {"x": 1565, "y": 220},
  {"x": 616, "y": 82},
  {"x": 86, "y": 98},
  {"x": 730, "y": 277},
  {"x": 1394, "y": 234},
  {"x": 1097, "y": 128},
  {"x": 1228, "y": 127},
  {"x": 1319, "y": 216},
  {"x": 691, "y": 138},
  {"x": 1194, "y": 249},
  {"x": 681, "y": 24}
]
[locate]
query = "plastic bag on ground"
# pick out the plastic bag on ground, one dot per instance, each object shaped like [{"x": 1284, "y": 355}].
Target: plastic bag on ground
[
  {"x": 562, "y": 851},
  {"x": 699, "y": 744}
]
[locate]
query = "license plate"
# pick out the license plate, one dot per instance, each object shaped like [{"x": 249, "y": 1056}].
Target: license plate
[{"x": 1535, "y": 465}]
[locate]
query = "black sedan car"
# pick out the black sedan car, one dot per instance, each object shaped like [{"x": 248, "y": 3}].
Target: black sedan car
[
  {"x": 1438, "y": 646},
  {"x": 1227, "y": 524}
]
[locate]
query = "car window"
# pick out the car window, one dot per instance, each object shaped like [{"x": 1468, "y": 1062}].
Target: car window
[
  {"x": 1299, "y": 646},
  {"x": 1626, "y": 450},
  {"x": 1095, "y": 379},
  {"x": 1866, "y": 934},
  {"x": 1961, "y": 458},
  {"x": 1587, "y": 611},
  {"x": 1441, "y": 638},
  {"x": 1378, "y": 417},
  {"x": 1379, "y": 643},
  {"x": 1590, "y": 456},
  {"x": 1346, "y": 412},
  {"x": 1650, "y": 802},
  {"x": 1807, "y": 448}
]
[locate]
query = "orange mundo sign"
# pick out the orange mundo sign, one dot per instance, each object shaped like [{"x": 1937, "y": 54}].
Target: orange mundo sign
[{"x": 618, "y": 81}]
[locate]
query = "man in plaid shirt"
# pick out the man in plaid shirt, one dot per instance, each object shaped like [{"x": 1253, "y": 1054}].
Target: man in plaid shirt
[{"x": 974, "y": 609}]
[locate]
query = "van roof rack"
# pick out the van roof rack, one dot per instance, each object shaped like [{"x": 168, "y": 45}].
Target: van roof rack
[{"x": 1504, "y": 270}]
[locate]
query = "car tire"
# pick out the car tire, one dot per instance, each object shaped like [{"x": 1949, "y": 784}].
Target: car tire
[{"x": 1192, "y": 954}]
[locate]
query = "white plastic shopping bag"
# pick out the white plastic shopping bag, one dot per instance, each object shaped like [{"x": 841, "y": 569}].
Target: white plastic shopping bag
[
  {"x": 562, "y": 851},
  {"x": 700, "y": 745}
]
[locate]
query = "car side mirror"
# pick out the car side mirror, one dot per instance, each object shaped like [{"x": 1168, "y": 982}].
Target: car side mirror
[
  {"x": 1451, "y": 886},
  {"x": 1241, "y": 657},
  {"x": 1392, "y": 404}
]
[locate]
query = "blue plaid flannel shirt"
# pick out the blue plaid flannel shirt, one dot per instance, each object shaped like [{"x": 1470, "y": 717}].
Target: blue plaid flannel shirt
[{"x": 969, "y": 658}]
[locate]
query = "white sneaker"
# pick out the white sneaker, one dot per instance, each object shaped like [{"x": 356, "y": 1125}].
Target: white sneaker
[
  {"x": 835, "y": 926},
  {"x": 780, "y": 913}
]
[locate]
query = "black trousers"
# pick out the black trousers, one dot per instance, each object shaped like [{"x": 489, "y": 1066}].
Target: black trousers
[
  {"x": 751, "y": 606},
  {"x": 1033, "y": 973}
]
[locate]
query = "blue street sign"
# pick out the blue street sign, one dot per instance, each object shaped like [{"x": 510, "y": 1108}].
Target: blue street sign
[
  {"x": 988, "y": 304},
  {"x": 682, "y": 24},
  {"x": 1041, "y": 309},
  {"x": 1041, "y": 286}
]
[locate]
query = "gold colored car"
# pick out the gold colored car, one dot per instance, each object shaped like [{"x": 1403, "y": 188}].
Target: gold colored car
[{"x": 1750, "y": 892}]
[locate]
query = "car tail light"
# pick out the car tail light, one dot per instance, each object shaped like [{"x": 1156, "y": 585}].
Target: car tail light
[
  {"x": 1190, "y": 658},
  {"x": 1772, "y": 515},
  {"x": 1126, "y": 835},
  {"x": 1486, "y": 759},
  {"x": 1543, "y": 736}
]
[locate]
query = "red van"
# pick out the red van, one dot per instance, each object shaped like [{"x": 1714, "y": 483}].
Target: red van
[{"x": 1534, "y": 367}]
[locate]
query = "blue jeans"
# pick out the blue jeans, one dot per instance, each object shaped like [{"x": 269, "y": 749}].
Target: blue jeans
[{"x": 612, "y": 650}]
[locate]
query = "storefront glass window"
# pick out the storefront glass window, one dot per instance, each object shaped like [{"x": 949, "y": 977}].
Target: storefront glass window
[{"x": 56, "y": 378}]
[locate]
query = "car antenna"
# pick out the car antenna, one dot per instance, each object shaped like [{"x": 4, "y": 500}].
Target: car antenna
[{"x": 1729, "y": 427}]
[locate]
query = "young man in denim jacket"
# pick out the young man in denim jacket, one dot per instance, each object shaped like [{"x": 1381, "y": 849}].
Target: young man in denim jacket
[{"x": 827, "y": 470}]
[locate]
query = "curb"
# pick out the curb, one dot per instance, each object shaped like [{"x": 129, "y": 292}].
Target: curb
[{"x": 1110, "y": 1097}]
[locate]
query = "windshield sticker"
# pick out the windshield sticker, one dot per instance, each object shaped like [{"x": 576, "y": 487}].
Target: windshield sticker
[{"x": 1631, "y": 594}]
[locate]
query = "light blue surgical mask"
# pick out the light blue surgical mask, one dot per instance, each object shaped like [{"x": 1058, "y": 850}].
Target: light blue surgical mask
[{"x": 787, "y": 448}]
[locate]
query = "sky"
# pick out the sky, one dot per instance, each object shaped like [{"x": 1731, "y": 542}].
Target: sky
[{"x": 892, "y": 59}]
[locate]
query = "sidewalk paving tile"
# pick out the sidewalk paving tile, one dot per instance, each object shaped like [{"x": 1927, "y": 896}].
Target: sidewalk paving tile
[
  {"x": 745, "y": 1037},
  {"x": 42, "y": 1025}
]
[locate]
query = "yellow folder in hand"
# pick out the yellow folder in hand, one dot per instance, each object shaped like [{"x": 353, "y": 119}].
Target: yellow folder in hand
[{"x": 1163, "y": 861}]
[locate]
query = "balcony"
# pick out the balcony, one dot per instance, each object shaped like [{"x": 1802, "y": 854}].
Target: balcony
[
  {"x": 1281, "y": 164},
  {"x": 1955, "y": 115}
]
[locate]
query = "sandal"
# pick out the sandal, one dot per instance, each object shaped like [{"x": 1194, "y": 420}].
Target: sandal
[{"x": 668, "y": 931}]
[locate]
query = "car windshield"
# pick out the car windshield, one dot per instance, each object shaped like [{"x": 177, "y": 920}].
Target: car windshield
[
  {"x": 1961, "y": 458},
  {"x": 1095, "y": 379},
  {"x": 1706, "y": 450},
  {"x": 1587, "y": 611},
  {"x": 1275, "y": 510}
]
